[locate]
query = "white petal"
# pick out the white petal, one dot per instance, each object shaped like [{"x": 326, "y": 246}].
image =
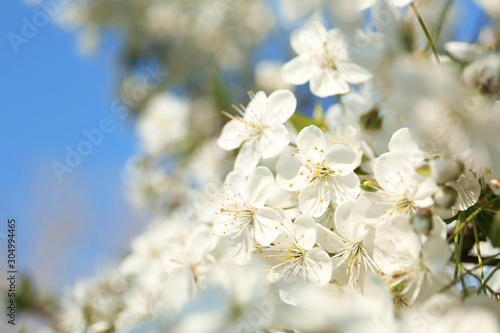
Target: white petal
[
  {"x": 318, "y": 266},
  {"x": 468, "y": 189},
  {"x": 199, "y": 244},
  {"x": 327, "y": 82},
  {"x": 288, "y": 290},
  {"x": 311, "y": 141},
  {"x": 347, "y": 223},
  {"x": 273, "y": 140},
  {"x": 369, "y": 206},
  {"x": 248, "y": 157},
  {"x": 438, "y": 227},
  {"x": 314, "y": 199},
  {"x": 340, "y": 157},
  {"x": 435, "y": 253},
  {"x": 405, "y": 141},
  {"x": 232, "y": 135},
  {"x": 299, "y": 70},
  {"x": 282, "y": 104},
  {"x": 345, "y": 187},
  {"x": 289, "y": 168},
  {"x": 305, "y": 231},
  {"x": 311, "y": 36},
  {"x": 401, "y": 3},
  {"x": 391, "y": 170},
  {"x": 353, "y": 73},
  {"x": 259, "y": 186},
  {"x": 240, "y": 247},
  {"x": 236, "y": 184},
  {"x": 464, "y": 51},
  {"x": 397, "y": 246},
  {"x": 266, "y": 223},
  {"x": 328, "y": 240},
  {"x": 256, "y": 108}
]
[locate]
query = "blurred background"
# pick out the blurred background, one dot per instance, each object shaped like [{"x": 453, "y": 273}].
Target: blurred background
[
  {"x": 66, "y": 229},
  {"x": 70, "y": 65}
]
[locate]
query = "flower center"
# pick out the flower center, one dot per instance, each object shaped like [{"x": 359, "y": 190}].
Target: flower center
[
  {"x": 327, "y": 60},
  {"x": 405, "y": 205},
  {"x": 321, "y": 171}
]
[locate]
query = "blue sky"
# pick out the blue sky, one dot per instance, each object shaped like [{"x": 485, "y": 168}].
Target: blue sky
[{"x": 50, "y": 94}]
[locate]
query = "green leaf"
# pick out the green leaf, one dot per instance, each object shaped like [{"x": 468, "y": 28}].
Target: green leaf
[
  {"x": 424, "y": 170},
  {"x": 319, "y": 114},
  {"x": 494, "y": 232},
  {"x": 300, "y": 121},
  {"x": 485, "y": 222}
]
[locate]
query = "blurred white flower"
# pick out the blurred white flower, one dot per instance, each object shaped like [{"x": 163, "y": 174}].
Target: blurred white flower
[
  {"x": 402, "y": 189},
  {"x": 293, "y": 255},
  {"x": 323, "y": 60},
  {"x": 163, "y": 123},
  {"x": 268, "y": 75},
  {"x": 259, "y": 131},
  {"x": 242, "y": 216},
  {"x": 351, "y": 244},
  {"x": 411, "y": 263}
]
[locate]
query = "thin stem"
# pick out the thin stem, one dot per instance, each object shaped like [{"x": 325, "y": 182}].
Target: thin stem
[
  {"x": 457, "y": 253},
  {"x": 426, "y": 32},
  {"x": 471, "y": 216},
  {"x": 471, "y": 273},
  {"x": 442, "y": 18},
  {"x": 490, "y": 275},
  {"x": 478, "y": 248}
]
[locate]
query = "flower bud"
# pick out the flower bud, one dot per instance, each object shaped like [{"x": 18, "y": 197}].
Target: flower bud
[
  {"x": 445, "y": 197},
  {"x": 372, "y": 120},
  {"x": 422, "y": 221},
  {"x": 369, "y": 184},
  {"x": 496, "y": 297},
  {"x": 446, "y": 170}
]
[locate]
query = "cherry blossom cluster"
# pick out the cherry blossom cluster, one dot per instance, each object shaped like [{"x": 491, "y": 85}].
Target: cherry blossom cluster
[{"x": 377, "y": 212}]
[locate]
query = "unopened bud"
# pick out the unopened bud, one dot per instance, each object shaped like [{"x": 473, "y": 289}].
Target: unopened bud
[
  {"x": 445, "y": 197},
  {"x": 496, "y": 297},
  {"x": 372, "y": 120},
  {"x": 446, "y": 170},
  {"x": 369, "y": 184},
  {"x": 422, "y": 221}
]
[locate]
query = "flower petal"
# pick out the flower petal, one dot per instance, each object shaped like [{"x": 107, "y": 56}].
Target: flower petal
[
  {"x": 248, "y": 157},
  {"x": 273, "y": 140},
  {"x": 318, "y": 267},
  {"x": 235, "y": 183},
  {"x": 328, "y": 82},
  {"x": 289, "y": 169},
  {"x": 240, "y": 247},
  {"x": 435, "y": 253},
  {"x": 266, "y": 223},
  {"x": 353, "y": 73},
  {"x": 328, "y": 240},
  {"x": 314, "y": 199},
  {"x": 311, "y": 142},
  {"x": 256, "y": 108},
  {"x": 305, "y": 231},
  {"x": 299, "y": 70},
  {"x": 312, "y": 35},
  {"x": 232, "y": 135},
  {"x": 259, "y": 186},
  {"x": 282, "y": 104},
  {"x": 346, "y": 187},
  {"x": 348, "y": 223},
  {"x": 341, "y": 158}
]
